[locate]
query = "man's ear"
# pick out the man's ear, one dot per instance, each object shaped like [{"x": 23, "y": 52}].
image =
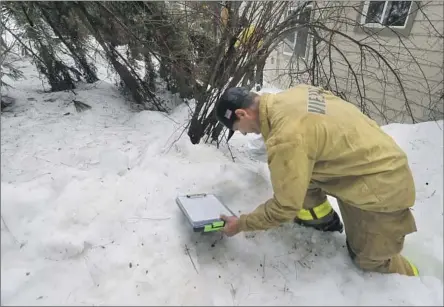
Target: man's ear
[{"x": 240, "y": 113}]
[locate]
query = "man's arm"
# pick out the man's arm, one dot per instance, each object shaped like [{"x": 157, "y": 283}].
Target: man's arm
[{"x": 290, "y": 169}]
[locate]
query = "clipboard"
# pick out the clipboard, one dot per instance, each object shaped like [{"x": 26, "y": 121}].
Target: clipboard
[{"x": 203, "y": 211}]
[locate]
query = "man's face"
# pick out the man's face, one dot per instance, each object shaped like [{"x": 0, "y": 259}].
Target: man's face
[{"x": 246, "y": 122}]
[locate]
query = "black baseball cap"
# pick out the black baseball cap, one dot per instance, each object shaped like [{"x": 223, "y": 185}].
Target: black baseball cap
[{"x": 232, "y": 99}]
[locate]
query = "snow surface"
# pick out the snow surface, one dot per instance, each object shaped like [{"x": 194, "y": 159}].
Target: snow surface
[{"x": 89, "y": 214}]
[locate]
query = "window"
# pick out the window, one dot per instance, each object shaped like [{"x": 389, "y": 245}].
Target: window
[
  {"x": 378, "y": 14},
  {"x": 296, "y": 43}
]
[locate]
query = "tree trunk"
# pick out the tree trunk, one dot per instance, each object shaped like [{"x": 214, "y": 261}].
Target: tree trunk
[{"x": 90, "y": 74}]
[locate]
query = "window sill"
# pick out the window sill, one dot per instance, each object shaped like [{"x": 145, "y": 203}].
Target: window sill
[{"x": 381, "y": 30}]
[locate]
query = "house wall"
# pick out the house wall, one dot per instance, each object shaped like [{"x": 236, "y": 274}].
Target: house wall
[{"x": 416, "y": 55}]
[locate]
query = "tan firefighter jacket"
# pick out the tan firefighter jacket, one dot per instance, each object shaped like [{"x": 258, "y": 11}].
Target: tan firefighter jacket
[{"x": 315, "y": 137}]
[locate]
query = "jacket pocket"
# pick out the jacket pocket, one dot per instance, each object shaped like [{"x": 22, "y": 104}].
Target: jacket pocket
[{"x": 395, "y": 190}]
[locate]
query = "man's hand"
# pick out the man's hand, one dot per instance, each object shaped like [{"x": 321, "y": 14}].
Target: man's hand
[{"x": 231, "y": 225}]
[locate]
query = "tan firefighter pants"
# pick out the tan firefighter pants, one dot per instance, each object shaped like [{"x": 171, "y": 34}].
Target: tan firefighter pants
[{"x": 374, "y": 239}]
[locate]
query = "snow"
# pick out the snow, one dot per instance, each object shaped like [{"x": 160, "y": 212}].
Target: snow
[{"x": 89, "y": 214}]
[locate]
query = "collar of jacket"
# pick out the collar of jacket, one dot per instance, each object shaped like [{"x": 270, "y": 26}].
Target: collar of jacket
[{"x": 264, "y": 103}]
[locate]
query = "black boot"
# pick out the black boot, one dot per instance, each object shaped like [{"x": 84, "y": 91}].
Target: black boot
[{"x": 330, "y": 222}]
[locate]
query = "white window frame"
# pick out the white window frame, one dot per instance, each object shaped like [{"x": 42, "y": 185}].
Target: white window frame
[
  {"x": 380, "y": 25},
  {"x": 307, "y": 47}
]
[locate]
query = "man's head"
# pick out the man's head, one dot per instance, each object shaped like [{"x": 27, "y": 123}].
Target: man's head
[{"x": 238, "y": 110}]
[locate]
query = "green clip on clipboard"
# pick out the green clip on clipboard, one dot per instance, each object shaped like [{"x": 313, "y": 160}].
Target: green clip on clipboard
[{"x": 203, "y": 211}]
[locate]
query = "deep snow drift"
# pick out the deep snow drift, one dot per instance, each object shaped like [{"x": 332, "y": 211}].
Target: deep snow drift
[{"x": 89, "y": 218}]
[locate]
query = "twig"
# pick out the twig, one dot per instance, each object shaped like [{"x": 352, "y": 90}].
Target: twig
[
  {"x": 36, "y": 176},
  {"x": 102, "y": 245},
  {"x": 233, "y": 292},
  {"x": 188, "y": 253},
  {"x": 178, "y": 138},
  {"x": 280, "y": 272},
  {"x": 89, "y": 271},
  {"x": 69, "y": 295},
  {"x": 23, "y": 44},
  {"x": 263, "y": 268},
  {"x": 295, "y": 270},
  {"x": 50, "y": 161},
  {"x": 171, "y": 119},
  {"x": 7, "y": 228},
  {"x": 231, "y": 153},
  {"x": 432, "y": 194},
  {"x": 146, "y": 199}
]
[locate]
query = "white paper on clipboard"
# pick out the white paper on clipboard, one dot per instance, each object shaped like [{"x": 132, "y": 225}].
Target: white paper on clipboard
[{"x": 202, "y": 208}]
